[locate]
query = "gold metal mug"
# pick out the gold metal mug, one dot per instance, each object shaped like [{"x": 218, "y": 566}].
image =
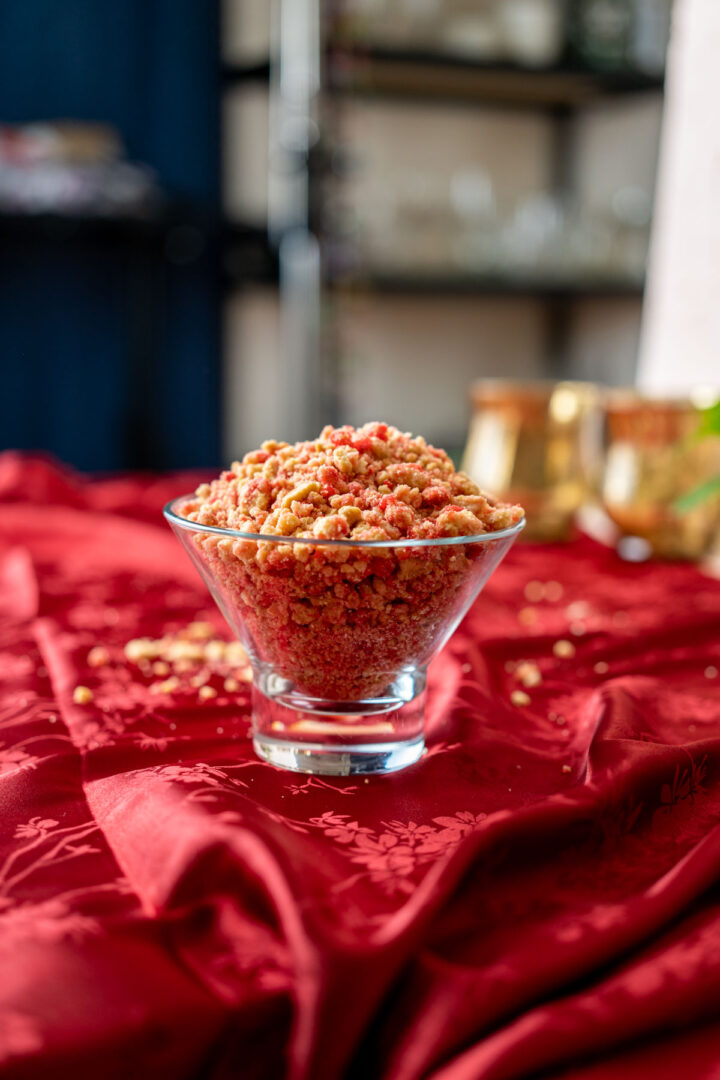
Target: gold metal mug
[
  {"x": 653, "y": 458},
  {"x": 537, "y": 443}
]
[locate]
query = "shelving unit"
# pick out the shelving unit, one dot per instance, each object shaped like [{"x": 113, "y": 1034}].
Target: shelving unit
[
  {"x": 232, "y": 74},
  {"x": 351, "y": 69},
  {"x": 486, "y": 285},
  {"x": 248, "y": 256},
  {"x": 150, "y": 226},
  {"x": 423, "y": 76},
  {"x": 420, "y": 76}
]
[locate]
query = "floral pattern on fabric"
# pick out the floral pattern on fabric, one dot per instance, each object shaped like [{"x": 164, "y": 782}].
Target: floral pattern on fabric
[
  {"x": 394, "y": 857},
  {"x": 537, "y": 893}
]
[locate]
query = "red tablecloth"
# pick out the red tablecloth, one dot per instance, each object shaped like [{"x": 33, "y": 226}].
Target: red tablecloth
[{"x": 538, "y": 896}]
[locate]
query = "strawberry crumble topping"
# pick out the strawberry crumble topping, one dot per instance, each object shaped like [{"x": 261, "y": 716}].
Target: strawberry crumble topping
[
  {"x": 342, "y": 621},
  {"x": 370, "y": 483}
]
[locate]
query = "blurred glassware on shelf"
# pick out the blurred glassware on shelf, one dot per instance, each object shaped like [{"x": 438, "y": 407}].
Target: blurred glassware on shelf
[
  {"x": 464, "y": 28},
  {"x": 533, "y": 239},
  {"x": 472, "y": 33},
  {"x": 629, "y": 225},
  {"x": 653, "y": 459},
  {"x": 400, "y": 24},
  {"x": 600, "y": 32},
  {"x": 539, "y": 443},
  {"x": 71, "y": 168},
  {"x": 441, "y": 220},
  {"x": 608, "y": 35},
  {"x": 59, "y": 141},
  {"x": 650, "y": 35},
  {"x": 533, "y": 31}
]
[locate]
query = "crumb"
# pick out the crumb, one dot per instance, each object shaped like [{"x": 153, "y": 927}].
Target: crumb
[
  {"x": 534, "y": 591},
  {"x": 140, "y": 649},
  {"x": 528, "y": 674},
  {"x": 166, "y": 687},
  {"x": 215, "y": 651},
  {"x": 553, "y": 591},
  {"x": 98, "y": 656},
  {"x": 519, "y": 697}
]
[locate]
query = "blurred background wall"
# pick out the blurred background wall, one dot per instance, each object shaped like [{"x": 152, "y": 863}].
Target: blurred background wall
[{"x": 355, "y": 209}]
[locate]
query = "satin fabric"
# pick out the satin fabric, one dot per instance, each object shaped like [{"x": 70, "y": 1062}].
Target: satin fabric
[{"x": 537, "y": 897}]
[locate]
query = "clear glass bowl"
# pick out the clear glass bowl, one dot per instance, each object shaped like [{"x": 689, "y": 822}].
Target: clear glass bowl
[
  {"x": 539, "y": 444},
  {"x": 653, "y": 459},
  {"x": 339, "y": 634}
]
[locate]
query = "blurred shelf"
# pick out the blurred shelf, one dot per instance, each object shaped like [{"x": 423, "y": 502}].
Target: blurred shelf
[
  {"x": 547, "y": 288},
  {"x": 239, "y": 73},
  {"x": 248, "y": 257},
  {"x": 186, "y": 226},
  {"x": 427, "y": 76},
  {"x": 85, "y": 226},
  {"x": 423, "y": 76}
]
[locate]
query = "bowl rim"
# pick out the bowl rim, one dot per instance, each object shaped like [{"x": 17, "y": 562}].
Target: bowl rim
[{"x": 181, "y": 522}]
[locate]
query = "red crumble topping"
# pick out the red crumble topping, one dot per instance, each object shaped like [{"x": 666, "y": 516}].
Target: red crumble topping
[
  {"x": 341, "y": 622},
  {"x": 402, "y": 487}
]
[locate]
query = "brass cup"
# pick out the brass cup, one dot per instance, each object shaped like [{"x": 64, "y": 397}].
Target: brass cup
[
  {"x": 539, "y": 444},
  {"x": 653, "y": 458}
]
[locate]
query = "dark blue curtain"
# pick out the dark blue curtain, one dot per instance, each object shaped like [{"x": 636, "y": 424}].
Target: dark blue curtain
[{"x": 109, "y": 340}]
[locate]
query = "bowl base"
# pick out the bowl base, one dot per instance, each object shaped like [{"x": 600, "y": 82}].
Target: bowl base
[
  {"x": 329, "y": 742},
  {"x": 333, "y": 760}
]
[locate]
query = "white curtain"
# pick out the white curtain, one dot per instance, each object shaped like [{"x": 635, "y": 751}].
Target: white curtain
[{"x": 680, "y": 345}]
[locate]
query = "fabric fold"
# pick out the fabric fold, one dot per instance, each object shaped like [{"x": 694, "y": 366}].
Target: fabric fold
[{"x": 539, "y": 893}]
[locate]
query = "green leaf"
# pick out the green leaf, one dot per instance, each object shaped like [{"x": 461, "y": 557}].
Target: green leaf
[
  {"x": 710, "y": 420},
  {"x": 697, "y": 496}
]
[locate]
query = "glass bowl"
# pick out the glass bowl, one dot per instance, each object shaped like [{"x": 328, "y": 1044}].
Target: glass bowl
[
  {"x": 538, "y": 443},
  {"x": 653, "y": 459},
  {"x": 339, "y": 634}
]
